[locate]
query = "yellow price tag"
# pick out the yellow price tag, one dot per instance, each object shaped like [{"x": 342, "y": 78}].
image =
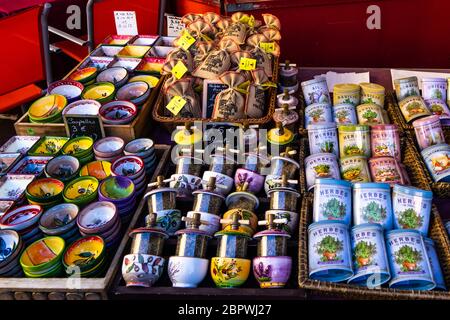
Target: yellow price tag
[
  {"x": 268, "y": 47},
  {"x": 251, "y": 21},
  {"x": 176, "y": 104},
  {"x": 179, "y": 70},
  {"x": 186, "y": 41},
  {"x": 247, "y": 64}
]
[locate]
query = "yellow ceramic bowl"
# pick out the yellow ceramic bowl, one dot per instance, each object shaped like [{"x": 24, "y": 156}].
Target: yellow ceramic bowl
[
  {"x": 152, "y": 81},
  {"x": 85, "y": 75},
  {"x": 47, "y": 108},
  {"x": 44, "y": 190},
  {"x": 83, "y": 188},
  {"x": 229, "y": 272},
  {"x": 98, "y": 169},
  {"x": 42, "y": 254},
  {"x": 133, "y": 51},
  {"x": 85, "y": 253},
  {"x": 78, "y": 147},
  {"x": 102, "y": 92}
]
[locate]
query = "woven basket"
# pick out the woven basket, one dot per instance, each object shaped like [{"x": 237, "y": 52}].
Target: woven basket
[
  {"x": 437, "y": 233},
  {"x": 171, "y": 123}
]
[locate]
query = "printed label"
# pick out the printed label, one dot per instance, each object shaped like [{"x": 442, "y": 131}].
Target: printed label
[
  {"x": 323, "y": 141},
  {"x": 332, "y": 202},
  {"x": 372, "y": 206},
  {"x": 410, "y": 212},
  {"x": 176, "y": 104},
  {"x": 369, "y": 251},
  {"x": 247, "y": 64}
]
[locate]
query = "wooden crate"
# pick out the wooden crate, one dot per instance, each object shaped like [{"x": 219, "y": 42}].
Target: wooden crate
[{"x": 89, "y": 288}]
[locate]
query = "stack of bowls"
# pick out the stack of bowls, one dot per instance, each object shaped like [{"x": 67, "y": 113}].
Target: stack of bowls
[
  {"x": 24, "y": 220},
  {"x": 60, "y": 220},
  {"x": 145, "y": 149},
  {"x": 97, "y": 169},
  {"x": 46, "y": 192},
  {"x": 118, "y": 112},
  {"x": 108, "y": 149},
  {"x": 42, "y": 259},
  {"x": 131, "y": 167},
  {"x": 47, "y": 109},
  {"x": 80, "y": 148},
  {"x": 120, "y": 191},
  {"x": 12, "y": 246},
  {"x": 81, "y": 191},
  {"x": 85, "y": 257},
  {"x": 101, "y": 218},
  {"x": 63, "y": 168}
]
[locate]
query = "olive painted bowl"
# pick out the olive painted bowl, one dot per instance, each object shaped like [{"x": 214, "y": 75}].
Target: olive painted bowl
[
  {"x": 79, "y": 147},
  {"x": 42, "y": 255},
  {"x": 85, "y": 75},
  {"x": 97, "y": 169},
  {"x": 221, "y": 268},
  {"x": 118, "y": 76},
  {"x": 59, "y": 219},
  {"x": 81, "y": 191},
  {"x": 118, "y": 112},
  {"x": 102, "y": 92},
  {"x": 47, "y": 108},
  {"x": 83, "y": 107},
  {"x": 142, "y": 147},
  {"x": 128, "y": 166},
  {"x": 135, "y": 92},
  {"x": 68, "y": 88},
  {"x": 63, "y": 168},
  {"x": 44, "y": 190},
  {"x": 21, "y": 218},
  {"x": 85, "y": 254},
  {"x": 11, "y": 245},
  {"x": 109, "y": 147},
  {"x": 97, "y": 217},
  {"x": 119, "y": 190}
]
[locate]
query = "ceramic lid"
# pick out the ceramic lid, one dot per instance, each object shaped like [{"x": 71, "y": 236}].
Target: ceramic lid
[
  {"x": 413, "y": 191},
  {"x": 160, "y": 187},
  {"x": 426, "y": 121},
  {"x": 244, "y": 194},
  {"x": 231, "y": 233},
  {"x": 280, "y": 135}
]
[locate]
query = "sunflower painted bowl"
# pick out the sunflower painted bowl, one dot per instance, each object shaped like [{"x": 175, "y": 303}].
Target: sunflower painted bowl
[
  {"x": 44, "y": 191},
  {"x": 81, "y": 191},
  {"x": 63, "y": 168},
  {"x": 48, "y": 146},
  {"x": 119, "y": 190},
  {"x": 85, "y": 253},
  {"x": 102, "y": 92},
  {"x": 47, "y": 109},
  {"x": 78, "y": 147},
  {"x": 98, "y": 169},
  {"x": 59, "y": 219},
  {"x": 68, "y": 88},
  {"x": 42, "y": 255},
  {"x": 86, "y": 75}
]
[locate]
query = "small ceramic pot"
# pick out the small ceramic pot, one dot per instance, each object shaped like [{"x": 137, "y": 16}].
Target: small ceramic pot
[
  {"x": 245, "y": 215},
  {"x": 272, "y": 272},
  {"x": 224, "y": 183},
  {"x": 63, "y": 168},
  {"x": 207, "y": 201},
  {"x": 230, "y": 272},
  {"x": 189, "y": 165},
  {"x": 283, "y": 199},
  {"x": 222, "y": 165},
  {"x": 118, "y": 112},
  {"x": 242, "y": 200},
  {"x": 213, "y": 221},
  {"x": 254, "y": 180},
  {"x": 135, "y": 92},
  {"x": 169, "y": 220},
  {"x": 185, "y": 184},
  {"x": 142, "y": 270},
  {"x": 187, "y": 272},
  {"x": 290, "y": 216}
]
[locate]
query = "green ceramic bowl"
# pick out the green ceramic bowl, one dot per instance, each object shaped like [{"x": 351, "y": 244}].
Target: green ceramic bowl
[
  {"x": 50, "y": 274},
  {"x": 42, "y": 254},
  {"x": 81, "y": 191},
  {"x": 87, "y": 159},
  {"x": 44, "y": 191},
  {"x": 79, "y": 147},
  {"x": 102, "y": 92}
]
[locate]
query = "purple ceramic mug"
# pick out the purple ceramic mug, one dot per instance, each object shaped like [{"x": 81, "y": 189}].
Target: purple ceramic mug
[
  {"x": 272, "y": 272},
  {"x": 255, "y": 181}
]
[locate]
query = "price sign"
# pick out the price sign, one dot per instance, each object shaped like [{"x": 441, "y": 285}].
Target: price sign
[
  {"x": 179, "y": 70},
  {"x": 176, "y": 104},
  {"x": 174, "y": 26},
  {"x": 247, "y": 64},
  {"x": 126, "y": 23},
  {"x": 84, "y": 125}
]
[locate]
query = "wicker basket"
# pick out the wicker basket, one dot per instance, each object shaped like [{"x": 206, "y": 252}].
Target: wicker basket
[
  {"x": 170, "y": 123},
  {"x": 437, "y": 233}
]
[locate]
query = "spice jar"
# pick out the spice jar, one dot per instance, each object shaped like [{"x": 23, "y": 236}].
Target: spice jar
[
  {"x": 222, "y": 168},
  {"x": 428, "y": 131},
  {"x": 230, "y": 268},
  {"x": 437, "y": 159},
  {"x": 222, "y": 164},
  {"x": 287, "y": 98},
  {"x": 316, "y": 91},
  {"x": 271, "y": 266},
  {"x": 208, "y": 200},
  {"x": 385, "y": 169},
  {"x": 344, "y": 113},
  {"x": 249, "y": 136},
  {"x": 323, "y": 138},
  {"x": 354, "y": 140},
  {"x": 385, "y": 141},
  {"x": 280, "y": 166},
  {"x": 321, "y": 165},
  {"x": 372, "y": 93},
  {"x": 189, "y": 267},
  {"x": 279, "y": 139},
  {"x": 434, "y": 88},
  {"x": 355, "y": 169},
  {"x": 283, "y": 198},
  {"x": 250, "y": 174},
  {"x": 288, "y": 76},
  {"x": 370, "y": 114},
  {"x": 144, "y": 265},
  {"x": 317, "y": 113},
  {"x": 346, "y": 93},
  {"x": 438, "y": 107},
  {"x": 413, "y": 107},
  {"x": 162, "y": 200},
  {"x": 406, "y": 87},
  {"x": 287, "y": 116},
  {"x": 187, "y": 176}
]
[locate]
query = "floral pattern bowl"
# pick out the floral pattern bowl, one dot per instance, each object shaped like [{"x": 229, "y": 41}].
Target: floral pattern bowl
[
  {"x": 229, "y": 272},
  {"x": 128, "y": 166},
  {"x": 78, "y": 147},
  {"x": 84, "y": 254},
  {"x": 187, "y": 272},
  {"x": 142, "y": 270},
  {"x": 10, "y": 246},
  {"x": 48, "y": 146}
]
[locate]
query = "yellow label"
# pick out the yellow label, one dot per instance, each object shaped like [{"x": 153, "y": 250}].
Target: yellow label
[
  {"x": 247, "y": 64},
  {"x": 251, "y": 21},
  {"x": 186, "y": 41},
  {"x": 176, "y": 104},
  {"x": 268, "y": 47},
  {"x": 179, "y": 70}
]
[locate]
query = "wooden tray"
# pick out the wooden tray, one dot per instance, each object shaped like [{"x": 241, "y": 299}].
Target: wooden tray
[
  {"x": 89, "y": 288},
  {"x": 437, "y": 233}
]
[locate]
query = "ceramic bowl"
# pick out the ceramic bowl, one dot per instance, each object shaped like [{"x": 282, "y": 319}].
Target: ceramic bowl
[
  {"x": 11, "y": 245},
  {"x": 84, "y": 75},
  {"x": 48, "y": 146},
  {"x": 118, "y": 112},
  {"x": 118, "y": 76},
  {"x": 142, "y": 147},
  {"x": 133, "y": 51},
  {"x": 112, "y": 235},
  {"x": 185, "y": 184},
  {"x": 83, "y": 107},
  {"x": 97, "y": 169},
  {"x": 142, "y": 270},
  {"x": 79, "y": 147},
  {"x": 42, "y": 255},
  {"x": 135, "y": 92},
  {"x": 87, "y": 159},
  {"x": 47, "y": 108},
  {"x": 85, "y": 253},
  {"x": 128, "y": 166},
  {"x": 59, "y": 219},
  {"x": 102, "y": 92},
  {"x": 291, "y": 217},
  {"x": 21, "y": 218},
  {"x": 118, "y": 190},
  {"x": 63, "y": 168},
  {"x": 229, "y": 272},
  {"x": 213, "y": 221},
  {"x": 151, "y": 80},
  {"x": 272, "y": 272},
  {"x": 187, "y": 272},
  {"x": 242, "y": 200},
  {"x": 81, "y": 191},
  {"x": 109, "y": 147},
  {"x": 97, "y": 217},
  {"x": 254, "y": 180},
  {"x": 68, "y": 88},
  {"x": 224, "y": 183},
  {"x": 45, "y": 190}
]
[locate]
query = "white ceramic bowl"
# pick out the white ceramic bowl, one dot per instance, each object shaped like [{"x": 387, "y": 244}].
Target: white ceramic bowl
[
  {"x": 137, "y": 269},
  {"x": 224, "y": 183},
  {"x": 142, "y": 147},
  {"x": 187, "y": 272}
]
